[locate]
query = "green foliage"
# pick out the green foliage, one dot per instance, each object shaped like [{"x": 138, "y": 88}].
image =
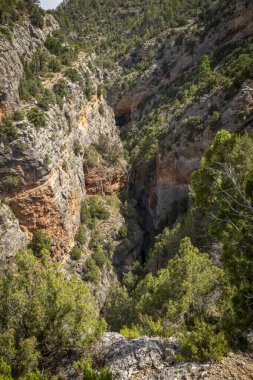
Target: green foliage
[
  {"x": 100, "y": 257},
  {"x": 18, "y": 115},
  {"x": 46, "y": 160},
  {"x": 14, "y": 10},
  {"x": 6, "y": 32},
  {"x": 76, "y": 253},
  {"x": 36, "y": 17},
  {"x": 110, "y": 151},
  {"x": 54, "y": 45},
  {"x": 46, "y": 100},
  {"x": 73, "y": 75},
  {"x": 92, "y": 209},
  {"x": 184, "y": 289},
  {"x": 8, "y": 130},
  {"x": 54, "y": 65},
  {"x": 57, "y": 45},
  {"x": 194, "y": 122},
  {"x": 131, "y": 333},
  {"x": 204, "y": 342},
  {"x": 81, "y": 236},
  {"x": 88, "y": 90},
  {"x": 90, "y": 374},
  {"x": 101, "y": 109},
  {"x": 5, "y": 370},
  {"x": 134, "y": 22},
  {"x": 78, "y": 148},
  {"x": 191, "y": 286},
  {"x": 222, "y": 187},
  {"x": 41, "y": 243},
  {"x": 123, "y": 232},
  {"x": 91, "y": 271},
  {"x": 61, "y": 88},
  {"x": 118, "y": 307},
  {"x": 30, "y": 84},
  {"x": 44, "y": 316},
  {"x": 37, "y": 117}
]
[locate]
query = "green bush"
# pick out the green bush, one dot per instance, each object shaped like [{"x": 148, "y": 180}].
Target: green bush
[
  {"x": 133, "y": 332},
  {"x": 47, "y": 160},
  {"x": 81, "y": 236},
  {"x": 5, "y": 370},
  {"x": 61, "y": 88},
  {"x": 12, "y": 181},
  {"x": 101, "y": 109},
  {"x": 49, "y": 304},
  {"x": 8, "y": 130},
  {"x": 92, "y": 209},
  {"x": 73, "y": 75},
  {"x": 18, "y": 115},
  {"x": 36, "y": 17},
  {"x": 54, "y": 45},
  {"x": 76, "y": 253},
  {"x": 204, "y": 342},
  {"x": 194, "y": 122},
  {"x": 46, "y": 100},
  {"x": 223, "y": 187},
  {"x": 30, "y": 85},
  {"x": 37, "y": 117},
  {"x": 119, "y": 307},
  {"x": 88, "y": 90},
  {"x": 123, "y": 232},
  {"x": 78, "y": 148},
  {"x": 99, "y": 257},
  {"x": 90, "y": 374},
  {"x": 91, "y": 271},
  {"x": 40, "y": 243},
  {"x": 54, "y": 65},
  {"x": 5, "y": 32}
]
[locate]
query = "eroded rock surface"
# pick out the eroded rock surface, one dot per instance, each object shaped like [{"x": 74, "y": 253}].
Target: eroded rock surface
[{"x": 151, "y": 359}]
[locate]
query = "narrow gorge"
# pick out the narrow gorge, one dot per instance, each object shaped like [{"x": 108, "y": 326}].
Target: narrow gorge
[{"x": 126, "y": 188}]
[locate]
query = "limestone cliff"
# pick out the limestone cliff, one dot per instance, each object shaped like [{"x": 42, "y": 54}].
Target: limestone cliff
[
  {"x": 43, "y": 171},
  {"x": 180, "y": 147}
]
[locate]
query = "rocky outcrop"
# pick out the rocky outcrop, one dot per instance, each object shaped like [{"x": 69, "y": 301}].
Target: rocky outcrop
[
  {"x": 25, "y": 39},
  {"x": 105, "y": 179},
  {"x": 153, "y": 359},
  {"x": 11, "y": 237},
  {"x": 42, "y": 172}
]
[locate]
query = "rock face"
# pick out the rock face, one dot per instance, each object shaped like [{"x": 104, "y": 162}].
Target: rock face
[
  {"x": 179, "y": 152},
  {"x": 25, "y": 40},
  {"x": 11, "y": 237},
  {"x": 151, "y": 359},
  {"x": 43, "y": 179}
]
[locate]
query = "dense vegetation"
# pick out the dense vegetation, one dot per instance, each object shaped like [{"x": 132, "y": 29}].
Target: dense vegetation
[
  {"x": 208, "y": 305},
  {"x": 14, "y": 10},
  {"x": 44, "y": 315},
  {"x": 99, "y": 23},
  {"x": 195, "y": 281}
]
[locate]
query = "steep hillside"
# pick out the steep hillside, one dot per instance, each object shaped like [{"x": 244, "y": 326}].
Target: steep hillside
[{"x": 126, "y": 190}]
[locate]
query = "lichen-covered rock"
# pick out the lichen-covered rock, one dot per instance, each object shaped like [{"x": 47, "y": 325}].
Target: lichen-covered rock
[
  {"x": 153, "y": 359},
  {"x": 125, "y": 358},
  {"x": 11, "y": 237}
]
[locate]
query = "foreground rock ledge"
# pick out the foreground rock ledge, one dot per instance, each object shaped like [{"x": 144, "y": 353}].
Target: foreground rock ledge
[{"x": 150, "y": 359}]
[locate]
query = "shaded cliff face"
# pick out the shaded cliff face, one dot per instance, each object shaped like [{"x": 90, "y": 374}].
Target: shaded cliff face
[
  {"x": 181, "y": 143},
  {"x": 43, "y": 175}
]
